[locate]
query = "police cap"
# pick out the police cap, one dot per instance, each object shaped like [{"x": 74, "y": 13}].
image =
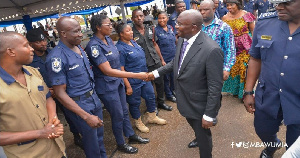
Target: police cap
[{"x": 34, "y": 35}]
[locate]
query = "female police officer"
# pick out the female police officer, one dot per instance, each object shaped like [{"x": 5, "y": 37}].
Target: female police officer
[
  {"x": 133, "y": 59},
  {"x": 166, "y": 41},
  {"x": 104, "y": 57}
]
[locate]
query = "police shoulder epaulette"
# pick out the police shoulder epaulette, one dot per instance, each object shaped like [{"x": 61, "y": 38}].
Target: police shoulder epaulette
[{"x": 267, "y": 15}]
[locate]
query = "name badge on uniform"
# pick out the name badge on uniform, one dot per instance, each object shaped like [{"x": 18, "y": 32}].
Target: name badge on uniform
[
  {"x": 56, "y": 64},
  {"x": 95, "y": 52},
  {"x": 74, "y": 67},
  {"x": 109, "y": 53},
  {"x": 130, "y": 52},
  {"x": 136, "y": 38},
  {"x": 266, "y": 37}
]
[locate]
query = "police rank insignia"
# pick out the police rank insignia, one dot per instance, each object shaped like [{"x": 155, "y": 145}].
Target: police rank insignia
[
  {"x": 95, "y": 51},
  {"x": 56, "y": 64},
  {"x": 136, "y": 38}
]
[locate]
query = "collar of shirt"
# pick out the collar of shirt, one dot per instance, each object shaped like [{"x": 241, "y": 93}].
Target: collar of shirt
[
  {"x": 214, "y": 21},
  {"x": 8, "y": 78},
  {"x": 101, "y": 42},
  {"x": 63, "y": 46},
  {"x": 38, "y": 58},
  {"x": 190, "y": 41}
]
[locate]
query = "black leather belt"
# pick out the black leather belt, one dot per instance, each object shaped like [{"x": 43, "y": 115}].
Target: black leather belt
[
  {"x": 87, "y": 95},
  {"x": 27, "y": 142}
]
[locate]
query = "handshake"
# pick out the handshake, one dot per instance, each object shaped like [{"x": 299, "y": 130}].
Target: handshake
[{"x": 145, "y": 76}]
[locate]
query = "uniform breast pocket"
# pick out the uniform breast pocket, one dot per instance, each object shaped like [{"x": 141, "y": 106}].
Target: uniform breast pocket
[
  {"x": 265, "y": 47},
  {"x": 133, "y": 57},
  {"x": 163, "y": 40},
  {"x": 75, "y": 77}
]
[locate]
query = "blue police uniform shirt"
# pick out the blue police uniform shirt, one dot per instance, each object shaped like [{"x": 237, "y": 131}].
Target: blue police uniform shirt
[
  {"x": 222, "y": 10},
  {"x": 166, "y": 42},
  {"x": 40, "y": 64},
  {"x": 133, "y": 59},
  {"x": 64, "y": 66},
  {"x": 279, "y": 77},
  {"x": 263, "y": 6},
  {"x": 249, "y": 6},
  {"x": 173, "y": 20},
  {"x": 98, "y": 53}
]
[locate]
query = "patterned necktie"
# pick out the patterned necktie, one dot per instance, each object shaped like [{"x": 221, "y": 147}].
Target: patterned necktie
[{"x": 183, "y": 48}]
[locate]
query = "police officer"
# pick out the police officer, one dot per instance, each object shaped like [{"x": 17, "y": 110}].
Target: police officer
[
  {"x": 275, "y": 62},
  {"x": 264, "y": 6},
  {"x": 216, "y": 2},
  {"x": 105, "y": 59},
  {"x": 38, "y": 42},
  {"x": 144, "y": 36},
  {"x": 222, "y": 10},
  {"x": 29, "y": 124},
  {"x": 132, "y": 59},
  {"x": 179, "y": 7},
  {"x": 166, "y": 41},
  {"x": 72, "y": 80},
  {"x": 249, "y": 6}
]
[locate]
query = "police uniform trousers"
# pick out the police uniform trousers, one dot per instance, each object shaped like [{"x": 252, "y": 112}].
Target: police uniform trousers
[
  {"x": 266, "y": 128},
  {"x": 203, "y": 137},
  {"x": 145, "y": 91},
  {"x": 92, "y": 138},
  {"x": 159, "y": 84},
  {"x": 169, "y": 84},
  {"x": 115, "y": 103},
  {"x": 71, "y": 124}
]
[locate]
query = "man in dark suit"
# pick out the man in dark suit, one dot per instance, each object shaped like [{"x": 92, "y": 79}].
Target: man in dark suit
[{"x": 198, "y": 77}]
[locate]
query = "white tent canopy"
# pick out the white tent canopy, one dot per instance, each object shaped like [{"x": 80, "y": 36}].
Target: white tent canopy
[{"x": 15, "y": 9}]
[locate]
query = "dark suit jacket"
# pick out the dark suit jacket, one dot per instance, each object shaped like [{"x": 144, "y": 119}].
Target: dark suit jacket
[{"x": 199, "y": 82}]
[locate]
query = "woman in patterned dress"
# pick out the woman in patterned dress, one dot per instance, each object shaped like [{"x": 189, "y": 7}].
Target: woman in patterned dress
[{"x": 241, "y": 22}]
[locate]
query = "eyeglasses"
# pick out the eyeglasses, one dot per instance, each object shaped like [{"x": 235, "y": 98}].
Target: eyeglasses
[{"x": 109, "y": 24}]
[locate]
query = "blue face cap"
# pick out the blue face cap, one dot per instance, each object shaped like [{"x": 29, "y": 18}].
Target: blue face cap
[{"x": 279, "y": 1}]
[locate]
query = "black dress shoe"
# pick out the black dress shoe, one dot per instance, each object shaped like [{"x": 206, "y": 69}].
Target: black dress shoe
[
  {"x": 126, "y": 148},
  {"x": 172, "y": 99},
  {"x": 193, "y": 144},
  {"x": 136, "y": 139},
  {"x": 165, "y": 107},
  {"x": 78, "y": 141},
  {"x": 269, "y": 154},
  {"x": 266, "y": 154}
]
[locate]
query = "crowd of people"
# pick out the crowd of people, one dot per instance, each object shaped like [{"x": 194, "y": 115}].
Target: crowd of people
[{"x": 189, "y": 58}]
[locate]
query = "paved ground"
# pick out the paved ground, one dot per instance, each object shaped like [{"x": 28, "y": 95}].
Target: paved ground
[{"x": 170, "y": 141}]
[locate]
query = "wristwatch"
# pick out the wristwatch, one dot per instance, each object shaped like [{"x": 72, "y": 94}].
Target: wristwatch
[{"x": 248, "y": 93}]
